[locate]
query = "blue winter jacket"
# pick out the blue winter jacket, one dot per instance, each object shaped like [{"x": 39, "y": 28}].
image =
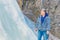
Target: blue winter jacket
[{"x": 45, "y": 25}]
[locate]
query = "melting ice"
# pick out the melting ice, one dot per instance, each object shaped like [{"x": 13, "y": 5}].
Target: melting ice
[{"x": 12, "y": 22}]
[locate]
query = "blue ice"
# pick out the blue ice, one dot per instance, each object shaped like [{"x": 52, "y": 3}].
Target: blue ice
[{"x": 13, "y": 24}]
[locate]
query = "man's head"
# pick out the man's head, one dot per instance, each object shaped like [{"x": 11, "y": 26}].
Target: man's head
[{"x": 43, "y": 11}]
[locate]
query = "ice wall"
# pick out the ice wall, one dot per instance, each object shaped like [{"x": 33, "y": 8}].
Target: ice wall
[{"x": 12, "y": 22}]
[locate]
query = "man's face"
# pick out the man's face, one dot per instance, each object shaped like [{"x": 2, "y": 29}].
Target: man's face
[{"x": 42, "y": 12}]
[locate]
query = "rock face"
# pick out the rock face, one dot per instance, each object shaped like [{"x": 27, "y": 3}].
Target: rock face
[
  {"x": 55, "y": 17},
  {"x": 20, "y": 3},
  {"x": 31, "y": 9}
]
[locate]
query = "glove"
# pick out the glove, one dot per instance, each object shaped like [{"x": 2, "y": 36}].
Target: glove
[{"x": 47, "y": 32}]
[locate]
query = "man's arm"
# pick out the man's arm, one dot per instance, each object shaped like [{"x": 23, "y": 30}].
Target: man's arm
[
  {"x": 48, "y": 25},
  {"x": 36, "y": 25}
]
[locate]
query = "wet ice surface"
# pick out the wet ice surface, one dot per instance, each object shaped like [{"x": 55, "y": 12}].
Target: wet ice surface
[{"x": 12, "y": 22}]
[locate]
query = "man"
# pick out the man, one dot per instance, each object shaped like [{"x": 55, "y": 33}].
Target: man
[{"x": 43, "y": 25}]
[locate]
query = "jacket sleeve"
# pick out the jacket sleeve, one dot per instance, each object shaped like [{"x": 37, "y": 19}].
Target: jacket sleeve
[
  {"x": 37, "y": 23},
  {"x": 48, "y": 23}
]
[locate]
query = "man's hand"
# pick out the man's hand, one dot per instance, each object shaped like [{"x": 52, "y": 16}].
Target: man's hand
[
  {"x": 35, "y": 29},
  {"x": 47, "y": 32}
]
